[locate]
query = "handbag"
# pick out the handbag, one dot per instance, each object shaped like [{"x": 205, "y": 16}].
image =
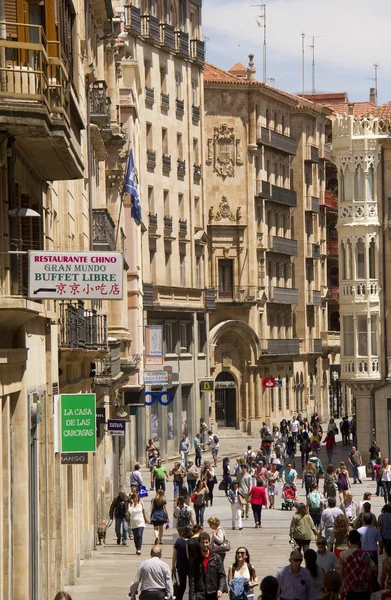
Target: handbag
[
  {"x": 215, "y": 479},
  {"x": 222, "y": 485},
  {"x": 175, "y": 584},
  {"x": 222, "y": 548},
  {"x": 193, "y": 497},
  {"x": 143, "y": 492},
  {"x": 242, "y": 500}
]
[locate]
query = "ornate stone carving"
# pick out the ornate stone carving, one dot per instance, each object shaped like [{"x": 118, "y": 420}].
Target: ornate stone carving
[
  {"x": 239, "y": 213},
  {"x": 209, "y": 151},
  {"x": 224, "y": 151},
  {"x": 226, "y": 360},
  {"x": 239, "y": 152},
  {"x": 224, "y": 211}
]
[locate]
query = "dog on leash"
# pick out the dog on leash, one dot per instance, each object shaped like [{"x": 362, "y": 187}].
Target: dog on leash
[{"x": 102, "y": 533}]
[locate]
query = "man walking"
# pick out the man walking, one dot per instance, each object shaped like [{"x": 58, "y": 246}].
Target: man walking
[
  {"x": 160, "y": 474},
  {"x": 214, "y": 444},
  {"x": 328, "y": 517},
  {"x": 294, "y": 427},
  {"x": 355, "y": 460},
  {"x": 119, "y": 512},
  {"x": 154, "y": 578},
  {"x": 207, "y": 579},
  {"x": 184, "y": 447},
  {"x": 295, "y": 581},
  {"x": 198, "y": 451},
  {"x": 326, "y": 560},
  {"x": 245, "y": 484},
  {"x": 370, "y": 538}
]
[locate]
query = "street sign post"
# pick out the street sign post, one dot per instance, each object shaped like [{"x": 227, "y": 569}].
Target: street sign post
[
  {"x": 155, "y": 378},
  {"x": 78, "y": 422}
]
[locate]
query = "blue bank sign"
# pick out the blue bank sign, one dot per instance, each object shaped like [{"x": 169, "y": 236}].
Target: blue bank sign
[{"x": 116, "y": 426}]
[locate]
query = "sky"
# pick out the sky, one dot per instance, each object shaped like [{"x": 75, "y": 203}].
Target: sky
[{"x": 350, "y": 36}]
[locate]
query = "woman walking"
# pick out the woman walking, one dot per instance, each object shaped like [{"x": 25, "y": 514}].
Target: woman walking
[
  {"x": 138, "y": 519},
  {"x": 302, "y": 527},
  {"x": 208, "y": 475},
  {"x": 200, "y": 495},
  {"x": 339, "y": 537},
  {"x": 316, "y": 573},
  {"x": 218, "y": 539},
  {"x": 272, "y": 489},
  {"x": 315, "y": 503},
  {"x": 343, "y": 481},
  {"x": 193, "y": 545},
  {"x": 180, "y": 562},
  {"x": 159, "y": 515},
  {"x": 242, "y": 568},
  {"x": 257, "y": 499},
  {"x": 329, "y": 441},
  {"x": 385, "y": 479},
  {"x": 227, "y": 474},
  {"x": 236, "y": 505}
]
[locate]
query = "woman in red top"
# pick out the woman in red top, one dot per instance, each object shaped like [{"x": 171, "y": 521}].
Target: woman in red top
[
  {"x": 257, "y": 498},
  {"x": 329, "y": 441}
]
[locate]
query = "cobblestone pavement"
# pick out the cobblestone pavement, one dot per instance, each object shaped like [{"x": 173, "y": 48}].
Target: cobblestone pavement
[{"x": 111, "y": 569}]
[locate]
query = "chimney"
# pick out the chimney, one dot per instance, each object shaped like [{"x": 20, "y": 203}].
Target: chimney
[
  {"x": 350, "y": 108},
  {"x": 372, "y": 95},
  {"x": 251, "y": 70}
]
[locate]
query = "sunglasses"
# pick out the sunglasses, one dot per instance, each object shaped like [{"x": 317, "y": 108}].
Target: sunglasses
[{"x": 239, "y": 552}]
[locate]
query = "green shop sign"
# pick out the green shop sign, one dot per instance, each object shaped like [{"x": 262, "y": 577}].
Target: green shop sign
[{"x": 78, "y": 423}]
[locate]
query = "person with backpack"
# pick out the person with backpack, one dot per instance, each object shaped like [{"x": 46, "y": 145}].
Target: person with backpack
[
  {"x": 302, "y": 527},
  {"x": 305, "y": 448},
  {"x": 309, "y": 477},
  {"x": 207, "y": 578},
  {"x": 180, "y": 565},
  {"x": 315, "y": 503},
  {"x": 242, "y": 577},
  {"x": 214, "y": 444},
  {"x": 183, "y": 515},
  {"x": 314, "y": 458},
  {"x": 119, "y": 512},
  {"x": 330, "y": 485}
]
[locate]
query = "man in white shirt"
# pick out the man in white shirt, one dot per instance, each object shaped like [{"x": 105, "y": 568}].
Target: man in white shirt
[
  {"x": 214, "y": 443},
  {"x": 294, "y": 428},
  {"x": 154, "y": 579}
]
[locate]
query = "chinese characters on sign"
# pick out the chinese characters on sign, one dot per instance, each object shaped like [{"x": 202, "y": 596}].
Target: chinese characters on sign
[{"x": 81, "y": 275}]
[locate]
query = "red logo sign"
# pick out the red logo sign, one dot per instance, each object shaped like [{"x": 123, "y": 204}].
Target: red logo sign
[{"x": 268, "y": 382}]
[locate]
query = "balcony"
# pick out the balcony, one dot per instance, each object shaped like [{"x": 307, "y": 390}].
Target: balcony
[
  {"x": 315, "y": 346},
  {"x": 331, "y": 341},
  {"x": 99, "y": 104},
  {"x": 149, "y": 97},
  {"x": 242, "y": 294},
  {"x": 81, "y": 328},
  {"x": 196, "y": 114},
  {"x": 152, "y": 220},
  {"x": 360, "y": 369},
  {"x": 314, "y": 298},
  {"x": 103, "y": 230},
  {"x": 210, "y": 298},
  {"x": 179, "y": 108},
  {"x": 166, "y": 164},
  {"x": 148, "y": 294},
  {"x": 280, "y": 347},
  {"x": 151, "y": 159},
  {"x": 333, "y": 292},
  {"x": 182, "y": 44},
  {"x": 311, "y": 154},
  {"x": 326, "y": 152},
  {"x": 181, "y": 168},
  {"x": 108, "y": 370},
  {"x": 182, "y": 228},
  {"x": 364, "y": 291},
  {"x": 150, "y": 28},
  {"x": 180, "y": 298},
  {"x": 35, "y": 103},
  {"x": 281, "y": 245},
  {"x": 332, "y": 247},
  {"x": 329, "y": 200},
  {"x": 197, "y": 48},
  {"x": 167, "y": 36},
  {"x": 313, "y": 251},
  {"x": 312, "y": 204},
  {"x": 164, "y": 101},
  {"x": 132, "y": 19},
  {"x": 197, "y": 173},
  {"x": 274, "y": 193},
  {"x": 278, "y": 141},
  {"x": 283, "y": 295},
  {"x": 168, "y": 225}
]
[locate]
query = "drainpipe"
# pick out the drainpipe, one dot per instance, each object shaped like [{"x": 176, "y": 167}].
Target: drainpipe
[{"x": 3, "y": 36}]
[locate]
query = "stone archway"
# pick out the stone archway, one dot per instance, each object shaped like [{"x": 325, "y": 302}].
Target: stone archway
[{"x": 225, "y": 399}]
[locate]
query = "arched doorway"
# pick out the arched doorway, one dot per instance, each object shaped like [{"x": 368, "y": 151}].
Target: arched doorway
[{"x": 225, "y": 399}]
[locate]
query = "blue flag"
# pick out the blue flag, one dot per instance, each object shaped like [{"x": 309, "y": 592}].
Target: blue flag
[{"x": 130, "y": 187}]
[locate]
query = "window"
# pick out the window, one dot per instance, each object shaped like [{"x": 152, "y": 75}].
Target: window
[
  {"x": 151, "y": 203},
  {"x": 164, "y": 141},
  {"x": 287, "y": 399},
  {"x": 374, "y": 351},
  {"x": 197, "y": 210},
  {"x": 183, "y": 338},
  {"x": 168, "y": 338},
  {"x": 201, "y": 336},
  {"x": 196, "y": 151},
  {"x": 147, "y": 73},
  {"x": 267, "y": 169},
  {"x": 372, "y": 260},
  {"x": 272, "y": 400},
  {"x": 179, "y": 145},
  {"x": 360, "y": 260},
  {"x": 182, "y": 270},
  {"x": 148, "y": 130},
  {"x": 181, "y": 206},
  {"x": 369, "y": 183},
  {"x": 198, "y": 271},
  {"x": 282, "y": 124},
  {"x": 359, "y": 184},
  {"x": 226, "y": 278},
  {"x": 178, "y": 82},
  {"x": 163, "y": 80},
  {"x": 166, "y": 203},
  {"x": 267, "y": 117},
  {"x": 348, "y": 336},
  {"x": 275, "y": 118},
  {"x": 349, "y": 255},
  {"x": 194, "y": 92}
]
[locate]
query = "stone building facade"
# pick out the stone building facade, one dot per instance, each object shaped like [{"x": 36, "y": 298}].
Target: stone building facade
[
  {"x": 165, "y": 39},
  {"x": 266, "y": 240},
  {"x": 63, "y": 153}
]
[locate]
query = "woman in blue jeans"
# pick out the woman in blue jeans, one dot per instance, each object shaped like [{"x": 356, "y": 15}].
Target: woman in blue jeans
[
  {"x": 138, "y": 519},
  {"x": 201, "y": 494}
]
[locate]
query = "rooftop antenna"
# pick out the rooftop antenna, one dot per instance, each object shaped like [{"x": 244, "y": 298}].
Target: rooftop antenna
[
  {"x": 262, "y": 24},
  {"x": 313, "y": 59},
  {"x": 302, "y": 60},
  {"x": 376, "y": 65}
]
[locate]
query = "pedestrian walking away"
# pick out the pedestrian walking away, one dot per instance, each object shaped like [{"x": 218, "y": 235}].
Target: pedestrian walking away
[
  {"x": 183, "y": 516},
  {"x": 198, "y": 451},
  {"x": 295, "y": 581},
  {"x": 374, "y": 455},
  {"x": 371, "y": 540},
  {"x": 136, "y": 479},
  {"x": 340, "y": 535},
  {"x": 257, "y": 498},
  {"x": 207, "y": 578},
  {"x": 343, "y": 481},
  {"x": 327, "y": 519},
  {"x": 302, "y": 528},
  {"x": 355, "y": 568},
  {"x": 315, "y": 503},
  {"x": 159, "y": 515},
  {"x": 305, "y": 447},
  {"x": 153, "y": 578},
  {"x": 227, "y": 474},
  {"x": 180, "y": 562},
  {"x": 329, "y": 443},
  {"x": 316, "y": 573},
  {"x": 119, "y": 511},
  {"x": 243, "y": 569},
  {"x": 214, "y": 445}
]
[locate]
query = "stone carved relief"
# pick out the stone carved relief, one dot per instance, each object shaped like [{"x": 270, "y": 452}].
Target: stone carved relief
[
  {"x": 239, "y": 152},
  {"x": 224, "y": 150},
  {"x": 226, "y": 360},
  {"x": 224, "y": 211},
  {"x": 209, "y": 151}
]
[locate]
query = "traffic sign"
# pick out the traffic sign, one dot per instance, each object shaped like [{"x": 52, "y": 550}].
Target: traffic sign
[
  {"x": 155, "y": 378},
  {"x": 269, "y": 382},
  {"x": 207, "y": 385}
]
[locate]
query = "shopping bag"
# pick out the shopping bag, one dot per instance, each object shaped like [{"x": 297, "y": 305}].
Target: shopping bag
[
  {"x": 143, "y": 492},
  {"x": 362, "y": 474}
]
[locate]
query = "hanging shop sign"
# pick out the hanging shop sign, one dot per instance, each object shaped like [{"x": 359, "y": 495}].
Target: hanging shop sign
[
  {"x": 78, "y": 423},
  {"x": 155, "y": 378},
  {"x": 76, "y": 275},
  {"x": 269, "y": 382},
  {"x": 116, "y": 427},
  {"x": 278, "y": 383},
  {"x": 74, "y": 458},
  {"x": 206, "y": 385}
]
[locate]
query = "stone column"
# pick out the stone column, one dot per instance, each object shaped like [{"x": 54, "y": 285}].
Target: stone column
[
  {"x": 258, "y": 395},
  {"x": 251, "y": 395},
  {"x": 364, "y": 417}
]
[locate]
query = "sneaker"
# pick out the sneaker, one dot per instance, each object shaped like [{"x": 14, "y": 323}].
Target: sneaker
[
  {"x": 124, "y": 543},
  {"x": 240, "y": 528}
]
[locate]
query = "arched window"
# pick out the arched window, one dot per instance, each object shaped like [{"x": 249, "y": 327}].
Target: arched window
[
  {"x": 349, "y": 261},
  {"x": 360, "y": 258},
  {"x": 359, "y": 183},
  {"x": 372, "y": 260},
  {"x": 348, "y": 186},
  {"x": 333, "y": 276},
  {"x": 370, "y": 181}
]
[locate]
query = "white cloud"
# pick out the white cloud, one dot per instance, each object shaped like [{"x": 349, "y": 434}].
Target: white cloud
[{"x": 356, "y": 35}]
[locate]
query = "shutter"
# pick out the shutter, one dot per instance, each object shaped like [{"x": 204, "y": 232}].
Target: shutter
[{"x": 10, "y": 17}]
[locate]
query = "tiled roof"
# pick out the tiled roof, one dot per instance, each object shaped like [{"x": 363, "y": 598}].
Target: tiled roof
[
  {"x": 329, "y": 98},
  {"x": 238, "y": 67},
  {"x": 380, "y": 112},
  {"x": 340, "y": 104}
]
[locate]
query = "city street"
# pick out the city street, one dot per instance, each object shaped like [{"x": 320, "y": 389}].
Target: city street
[{"x": 111, "y": 569}]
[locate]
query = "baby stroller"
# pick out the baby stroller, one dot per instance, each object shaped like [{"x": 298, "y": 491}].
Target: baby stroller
[{"x": 288, "y": 496}]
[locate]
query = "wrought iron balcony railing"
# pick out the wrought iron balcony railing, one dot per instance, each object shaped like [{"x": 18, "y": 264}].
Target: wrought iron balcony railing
[
  {"x": 276, "y": 140},
  {"x": 197, "y": 50},
  {"x": 132, "y": 19},
  {"x": 281, "y": 347},
  {"x": 168, "y": 224},
  {"x": 103, "y": 230},
  {"x": 179, "y": 107},
  {"x": 274, "y": 193},
  {"x": 81, "y": 328},
  {"x": 282, "y": 245},
  {"x": 196, "y": 113},
  {"x": 182, "y": 227},
  {"x": 164, "y": 101},
  {"x": 99, "y": 104},
  {"x": 150, "y": 28},
  {"x": 283, "y": 295},
  {"x": 181, "y": 168},
  {"x": 152, "y": 222},
  {"x": 151, "y": 159},
  {"x": 237, "y": 294}
]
